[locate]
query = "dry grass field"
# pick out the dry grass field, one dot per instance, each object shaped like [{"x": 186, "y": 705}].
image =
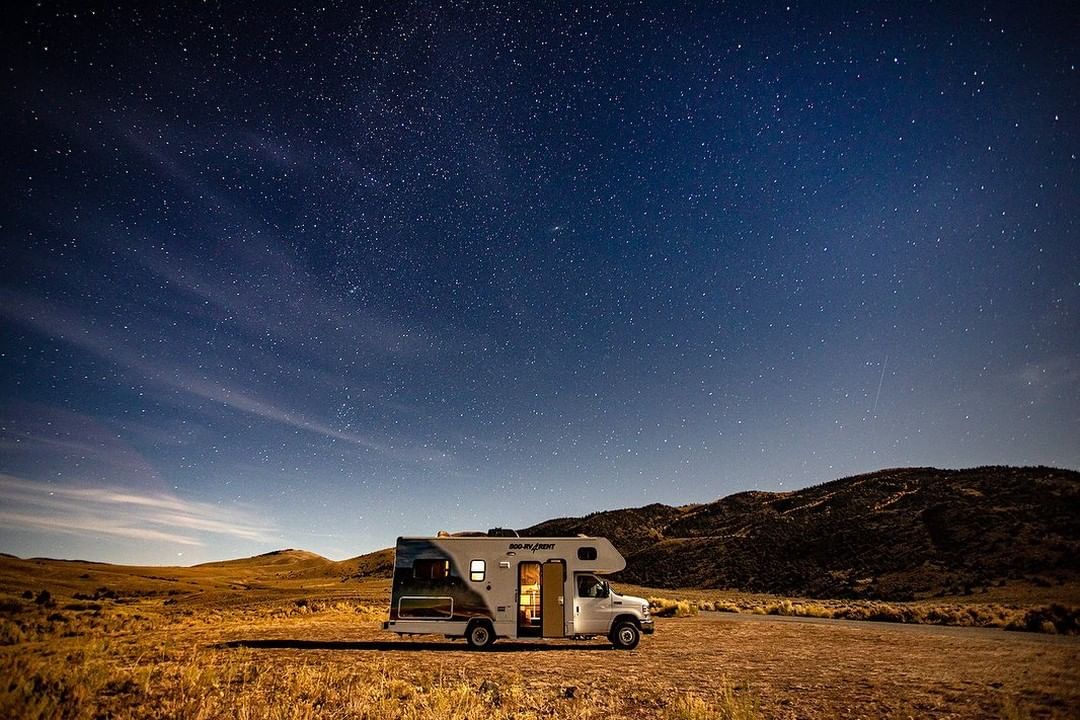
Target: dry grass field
[
  {"x": 1054, "y": 612},
  {"x": 270, "y": 638}
]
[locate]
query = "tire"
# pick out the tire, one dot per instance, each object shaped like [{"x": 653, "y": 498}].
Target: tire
[
  {"x": 625, "y": 635},
  {"x": 480, "y": 636}
]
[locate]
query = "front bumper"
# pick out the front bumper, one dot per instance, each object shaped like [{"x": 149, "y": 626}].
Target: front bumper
[{"x": 647, "y": 626}]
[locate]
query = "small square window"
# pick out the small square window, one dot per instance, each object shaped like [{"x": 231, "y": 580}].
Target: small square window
[
  {"x": 476, "y": 570},
  {"x": 586, "y": 553}
]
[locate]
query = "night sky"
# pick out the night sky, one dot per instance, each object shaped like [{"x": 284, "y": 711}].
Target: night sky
[{"x": 319, "y": 277}]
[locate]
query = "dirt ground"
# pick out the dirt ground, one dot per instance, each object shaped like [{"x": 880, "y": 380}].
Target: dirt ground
[{"x": 796, "y": 668}]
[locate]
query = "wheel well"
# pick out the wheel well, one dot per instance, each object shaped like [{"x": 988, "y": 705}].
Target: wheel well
[
  {"x": 480, "y": 621},
  {"x": 626, "y": 618}
]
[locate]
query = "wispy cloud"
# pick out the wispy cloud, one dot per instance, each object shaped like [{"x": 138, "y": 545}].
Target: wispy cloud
[
  {"x": 47, "y": 438},
  {"x": 277, "y": 296},
  {"x": 123, "y": 513},
  {"x": 56, "y": 321},
  {"x": 241, "y": 401},
  {"x": 243, "y": 319},
  {"x": 89, "y": 526}
]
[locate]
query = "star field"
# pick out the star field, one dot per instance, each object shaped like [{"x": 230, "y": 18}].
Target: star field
[{"x": 320, "y": 276}]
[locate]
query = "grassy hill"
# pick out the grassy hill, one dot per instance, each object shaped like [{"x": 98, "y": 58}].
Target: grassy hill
[
  {"x": 894, "y": 534},
  {"x": 271, "y": 576}
]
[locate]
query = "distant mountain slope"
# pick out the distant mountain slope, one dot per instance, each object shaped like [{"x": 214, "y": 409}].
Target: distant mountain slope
[
  {"x": 375, "y": 564},
  {"x": 893, "y": 534},
  {"x": 890, "y": 534},
  {"x": 631, "y": 530},
  {"x": 288, "y": 558},
  {"x": 301, "y": 564}
]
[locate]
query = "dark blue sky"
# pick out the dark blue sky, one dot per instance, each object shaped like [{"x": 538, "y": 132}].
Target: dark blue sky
[{"x": 320, "y": 277}]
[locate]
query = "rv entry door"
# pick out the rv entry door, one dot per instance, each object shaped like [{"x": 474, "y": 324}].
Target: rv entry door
[{"x": 551, "y": 592}]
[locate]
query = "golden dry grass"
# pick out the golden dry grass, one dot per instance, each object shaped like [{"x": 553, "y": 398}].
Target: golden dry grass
[
  {"x": 134, "y": 663},
  {"x": 1052, "y": 618},
  {"x": 731, "y": 705},
  {"x": 267, "y": 645},
  {"x": 666, "y": 607},
  {"x": 301, "y": 659}
]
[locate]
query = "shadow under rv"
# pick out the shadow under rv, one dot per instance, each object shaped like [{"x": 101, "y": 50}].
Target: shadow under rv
[{"x": 483, "y": 588}]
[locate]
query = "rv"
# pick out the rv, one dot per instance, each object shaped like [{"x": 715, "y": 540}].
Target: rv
[{"x": 482, "y": 588}]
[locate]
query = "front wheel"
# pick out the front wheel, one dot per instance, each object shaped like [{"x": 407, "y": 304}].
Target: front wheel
[
  {"x": 479, "y": 636},
  {"x": 625, "y": 636}
]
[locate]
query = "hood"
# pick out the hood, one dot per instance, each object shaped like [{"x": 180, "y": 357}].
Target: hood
[{"x": 632, "y": 601}]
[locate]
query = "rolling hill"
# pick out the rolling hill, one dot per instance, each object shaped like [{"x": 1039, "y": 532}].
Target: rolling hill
[{"x": 894, "y": 534}]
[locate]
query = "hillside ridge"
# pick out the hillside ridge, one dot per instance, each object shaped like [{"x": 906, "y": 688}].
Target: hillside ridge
[
  {"x": 895, "y": 534},
  {"x": 898, "y": 533}
]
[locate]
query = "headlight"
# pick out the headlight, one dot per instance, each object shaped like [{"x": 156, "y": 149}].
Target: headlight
[{"x": 644, "y": 608}]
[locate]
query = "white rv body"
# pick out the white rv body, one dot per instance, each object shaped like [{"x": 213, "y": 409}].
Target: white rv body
[{"x": 481, "y": 588}]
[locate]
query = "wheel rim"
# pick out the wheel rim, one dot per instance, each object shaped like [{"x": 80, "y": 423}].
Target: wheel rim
[
  {"x": 626, "y": 635},
  {"x": 480, "y": 635}
]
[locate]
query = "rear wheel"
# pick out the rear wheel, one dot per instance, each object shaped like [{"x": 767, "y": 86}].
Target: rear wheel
[
  {"x": 480, "y": 636},
  {"x": 625, "y": 635}
]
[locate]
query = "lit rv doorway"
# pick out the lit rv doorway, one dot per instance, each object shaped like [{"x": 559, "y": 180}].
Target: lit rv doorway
[
  {"x": 529, "y": 601},
  {"x": 541, "y": 605}
]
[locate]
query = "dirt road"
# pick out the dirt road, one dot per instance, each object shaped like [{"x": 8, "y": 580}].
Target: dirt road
[{"x": 797, "y": 668}]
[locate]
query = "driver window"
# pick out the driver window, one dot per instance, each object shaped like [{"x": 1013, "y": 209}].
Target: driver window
[{"x": 590, "y": 587}]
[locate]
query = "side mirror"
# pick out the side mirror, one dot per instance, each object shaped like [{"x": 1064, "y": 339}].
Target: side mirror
[{"x": 605, "y": 590}]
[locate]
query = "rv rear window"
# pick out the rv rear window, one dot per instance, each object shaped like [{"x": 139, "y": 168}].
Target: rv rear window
[
  {"x": 477, "y": 568},
  {"x": 586, "y": 553},
  {"x": 431, "y": 569}
]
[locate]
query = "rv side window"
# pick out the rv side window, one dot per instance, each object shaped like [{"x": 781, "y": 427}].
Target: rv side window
[
  {"x": 591, "y": 587},
  {"x": 476, "y": 570},
  {"x": 431, "y": 569},
  {"x": 586, "y": 553}
]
